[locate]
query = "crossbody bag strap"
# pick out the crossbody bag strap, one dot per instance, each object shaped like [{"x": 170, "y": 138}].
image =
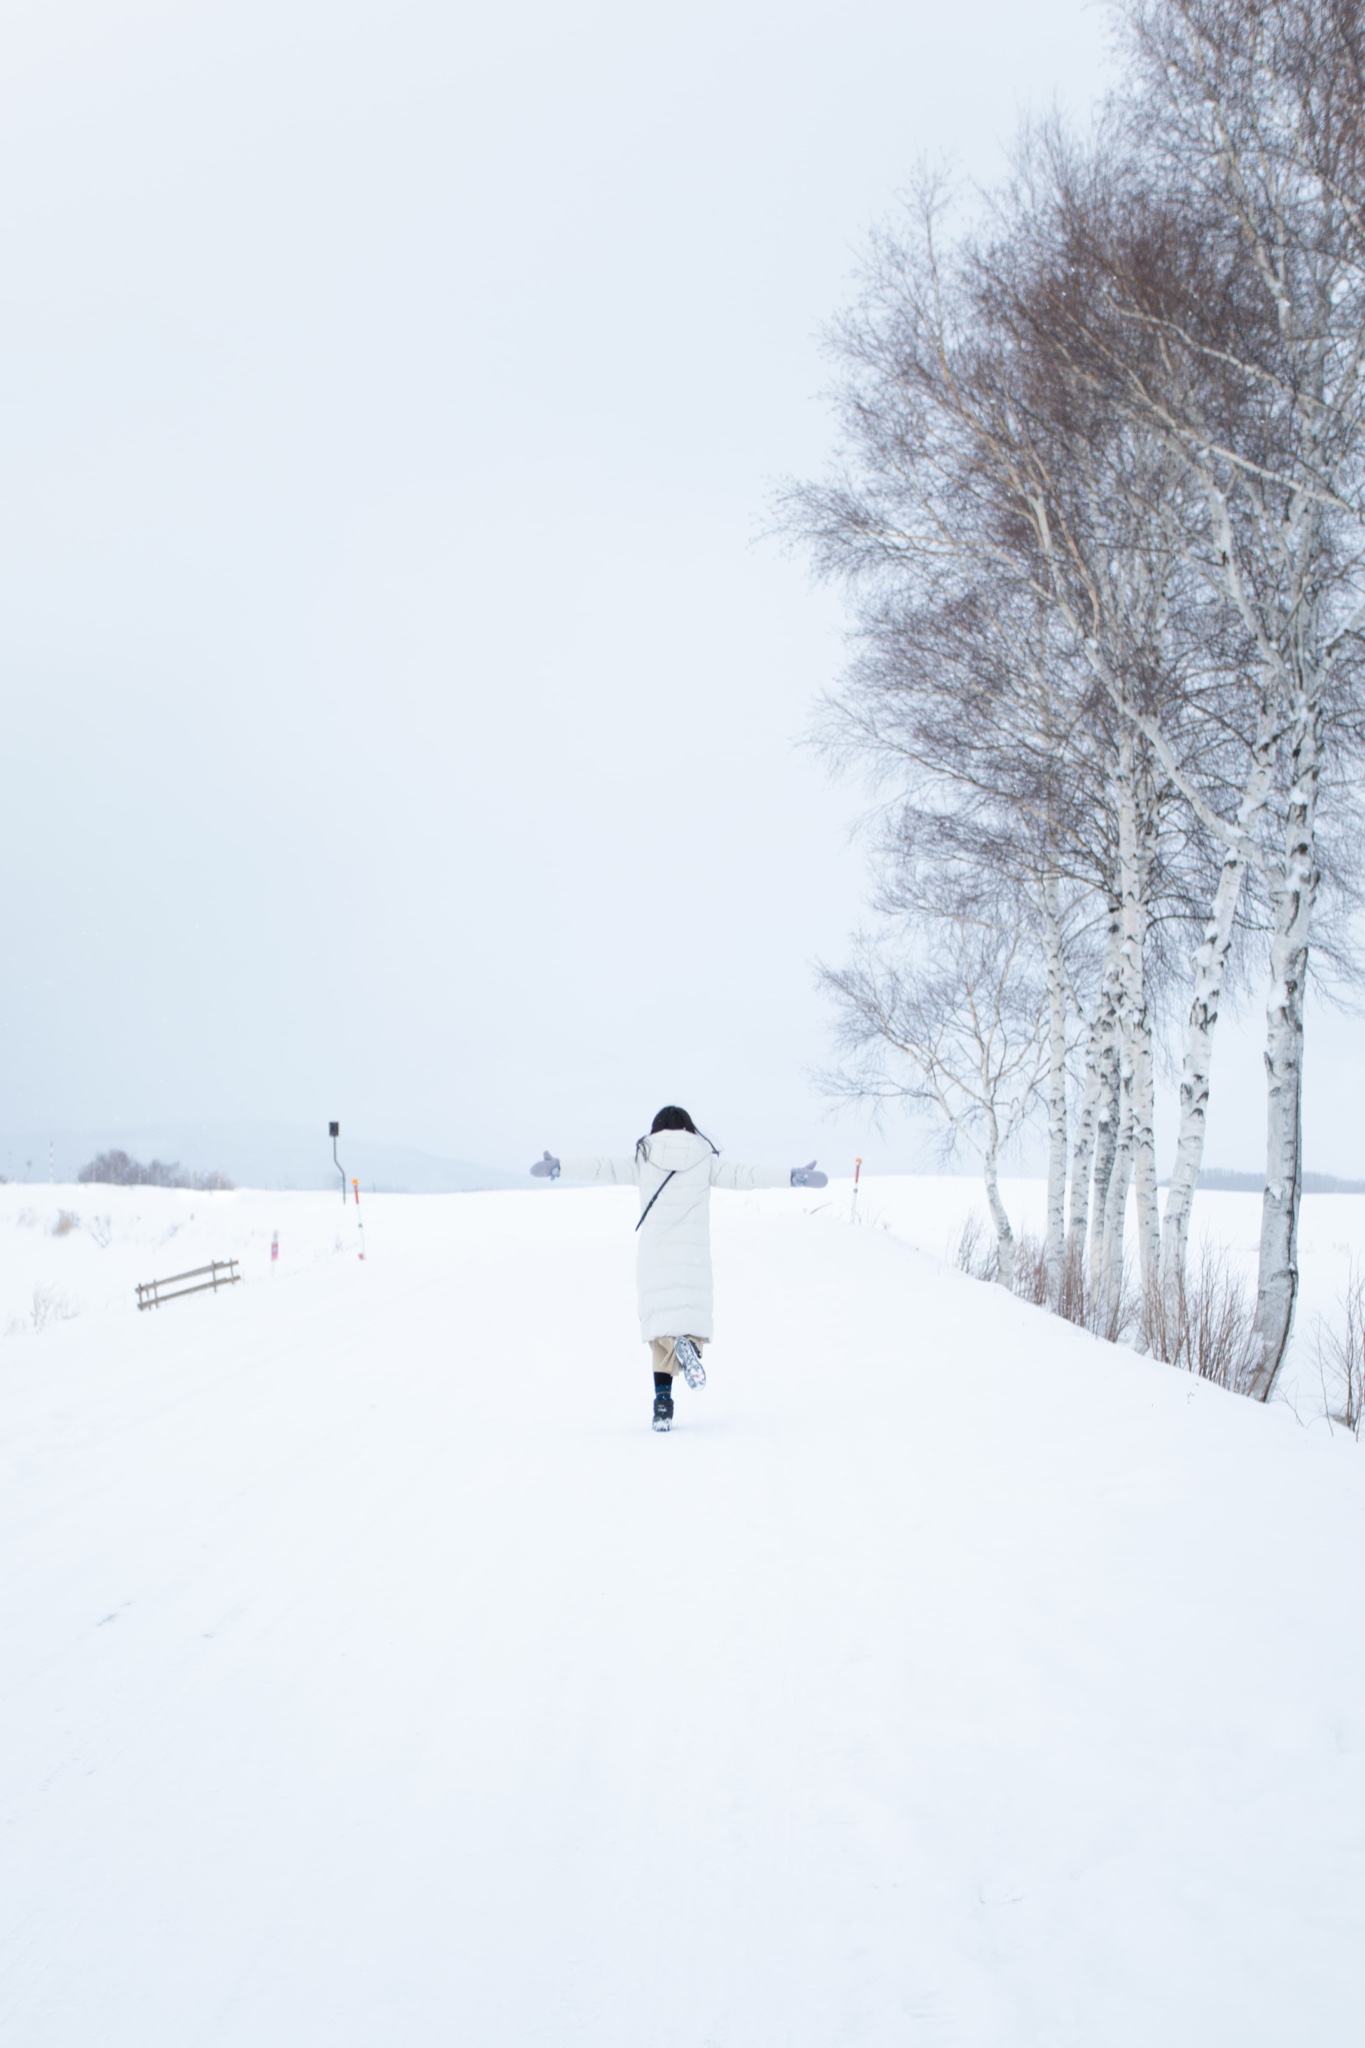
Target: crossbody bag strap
[{"x": 655, "y": 1196}]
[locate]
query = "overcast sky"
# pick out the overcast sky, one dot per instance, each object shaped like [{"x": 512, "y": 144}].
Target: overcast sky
[{"x": 402, "y": 707}]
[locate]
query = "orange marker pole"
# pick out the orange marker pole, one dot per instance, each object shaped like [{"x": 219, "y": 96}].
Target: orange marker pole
[
  {"x": 857, "y": 1169},
  {"x": 360, "y": 1220}
]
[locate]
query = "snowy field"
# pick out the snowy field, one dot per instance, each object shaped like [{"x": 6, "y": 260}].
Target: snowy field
[{"x": 372, "y": 1674}]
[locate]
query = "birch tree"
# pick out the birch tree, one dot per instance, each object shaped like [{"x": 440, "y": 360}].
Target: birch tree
[
  {"x": 1128, "y": 522},
  {"x": 962, "y": 479},
  {"x": 1102, "y": 505},
  {"x": 956, "y": 706},
  {"x": 1256, "y": 114},
  {"x": 958, "y": 1025}
]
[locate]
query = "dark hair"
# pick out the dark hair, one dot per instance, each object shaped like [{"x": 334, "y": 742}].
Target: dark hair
[{"x": 670, "y": 1118}]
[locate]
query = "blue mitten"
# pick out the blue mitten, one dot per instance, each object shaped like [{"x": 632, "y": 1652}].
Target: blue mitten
[
  {"x": 809, "y": 1177},
  {"x": 546, "y": 1168}
]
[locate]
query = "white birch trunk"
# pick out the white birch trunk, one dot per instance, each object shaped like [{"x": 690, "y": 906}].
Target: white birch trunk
[
  {"x": 1210, "y": 967},
  {"x": 1083, "y": 1151},
  {"x": 1087, "y": 1122},
  {"x": 1210, "y": 970},
  {"x": 1107, "y": 1099},
  {"x": 1116, "y": 1198},
  {"x": 1130, "y": 1021},
  {"x": 1144, "y": 1152},
  {"x": 1135, "y": 1151},
  {"x": 1004, "y": 1235},
  {"x": 1054, "y": 1245},
  {"x": 1106, "y": 1146},
  {"x": 1142, "y": 1146},
  {"x": 1295, "y": 892}
]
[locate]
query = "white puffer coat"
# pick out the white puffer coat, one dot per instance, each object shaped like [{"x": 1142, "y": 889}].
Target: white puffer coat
[{"x": 673, "y": 1263}]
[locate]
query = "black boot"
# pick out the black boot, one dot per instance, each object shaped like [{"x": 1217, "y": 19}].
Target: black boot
[{"x": 663, "y": 1400}]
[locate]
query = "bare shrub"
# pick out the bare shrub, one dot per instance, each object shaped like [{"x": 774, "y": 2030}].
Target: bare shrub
[
  {"x": 101, "y": 1228},
  {"x": 1109, "y": 1316},
  {"x": 1071, "y": 1290},
  {"x": 1341, "y": 1355},
  {"x": 67, "y": 1221},
  {"x": 1203, "y": 1324},
  {"x": 1030, "y": 1270},
  {"x": 1109, "y": 1312},
  {"x": 51, "y": 1305},
  {"x": 975, "y": 1252},
  {"x": 1114, "y": 1312}
]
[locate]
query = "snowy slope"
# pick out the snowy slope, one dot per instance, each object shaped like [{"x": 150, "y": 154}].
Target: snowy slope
[
  {"x": 373, "y": 1674},
  {"x": 928, "y": 1211}
]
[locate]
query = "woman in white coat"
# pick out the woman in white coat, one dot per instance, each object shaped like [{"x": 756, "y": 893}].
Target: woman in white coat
[{"x": 675, "y": 1169}]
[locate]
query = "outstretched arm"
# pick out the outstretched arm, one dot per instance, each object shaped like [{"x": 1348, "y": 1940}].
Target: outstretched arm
[
  {"x": 726, "y": 1174},
  {"x": 609, "y": 1171}
]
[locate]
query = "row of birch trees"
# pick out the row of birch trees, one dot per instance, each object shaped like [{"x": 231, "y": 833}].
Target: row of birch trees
[{"x": 1099, "y": 502}]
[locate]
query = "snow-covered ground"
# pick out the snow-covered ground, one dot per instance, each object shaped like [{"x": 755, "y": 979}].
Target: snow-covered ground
[{"x": 373, "y": 1674}]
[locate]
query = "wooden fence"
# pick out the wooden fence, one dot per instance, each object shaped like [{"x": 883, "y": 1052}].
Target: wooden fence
[{"x": 221, "y": 1273}]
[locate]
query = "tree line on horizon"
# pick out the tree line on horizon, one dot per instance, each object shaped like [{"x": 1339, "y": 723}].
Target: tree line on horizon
[{"x": 118, "y": 1169}]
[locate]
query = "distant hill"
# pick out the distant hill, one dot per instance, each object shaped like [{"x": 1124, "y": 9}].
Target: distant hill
[{"x": 252, "y": 1155}]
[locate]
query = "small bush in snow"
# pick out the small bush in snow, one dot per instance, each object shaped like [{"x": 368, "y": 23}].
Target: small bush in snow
[
  {"x": 1116, "y": 1316},
  {"x": 1341, "y": 1355},
  {"x": 67, "y": 1221},
  {"x": 51, "y": 1305},
  {"x": 975, "y": 1253},
  {"x": 1111, "y": 1314},
  {"x": 1071, "y": 1290},
  {"x": 1030, "y": 1271},
  {"x": 1203, "y": 1325}
]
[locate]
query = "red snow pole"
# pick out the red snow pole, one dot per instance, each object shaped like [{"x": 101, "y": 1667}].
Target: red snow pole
[
  {"x": 360, "y": 1220},
  {"x": 853, "y": 1212}
]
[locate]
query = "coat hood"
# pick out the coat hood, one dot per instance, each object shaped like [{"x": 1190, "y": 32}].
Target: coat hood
[{"x": 674, "y": 1151}]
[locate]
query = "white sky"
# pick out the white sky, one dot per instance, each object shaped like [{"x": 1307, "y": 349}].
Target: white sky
[{"x": 400, "y": 708}]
